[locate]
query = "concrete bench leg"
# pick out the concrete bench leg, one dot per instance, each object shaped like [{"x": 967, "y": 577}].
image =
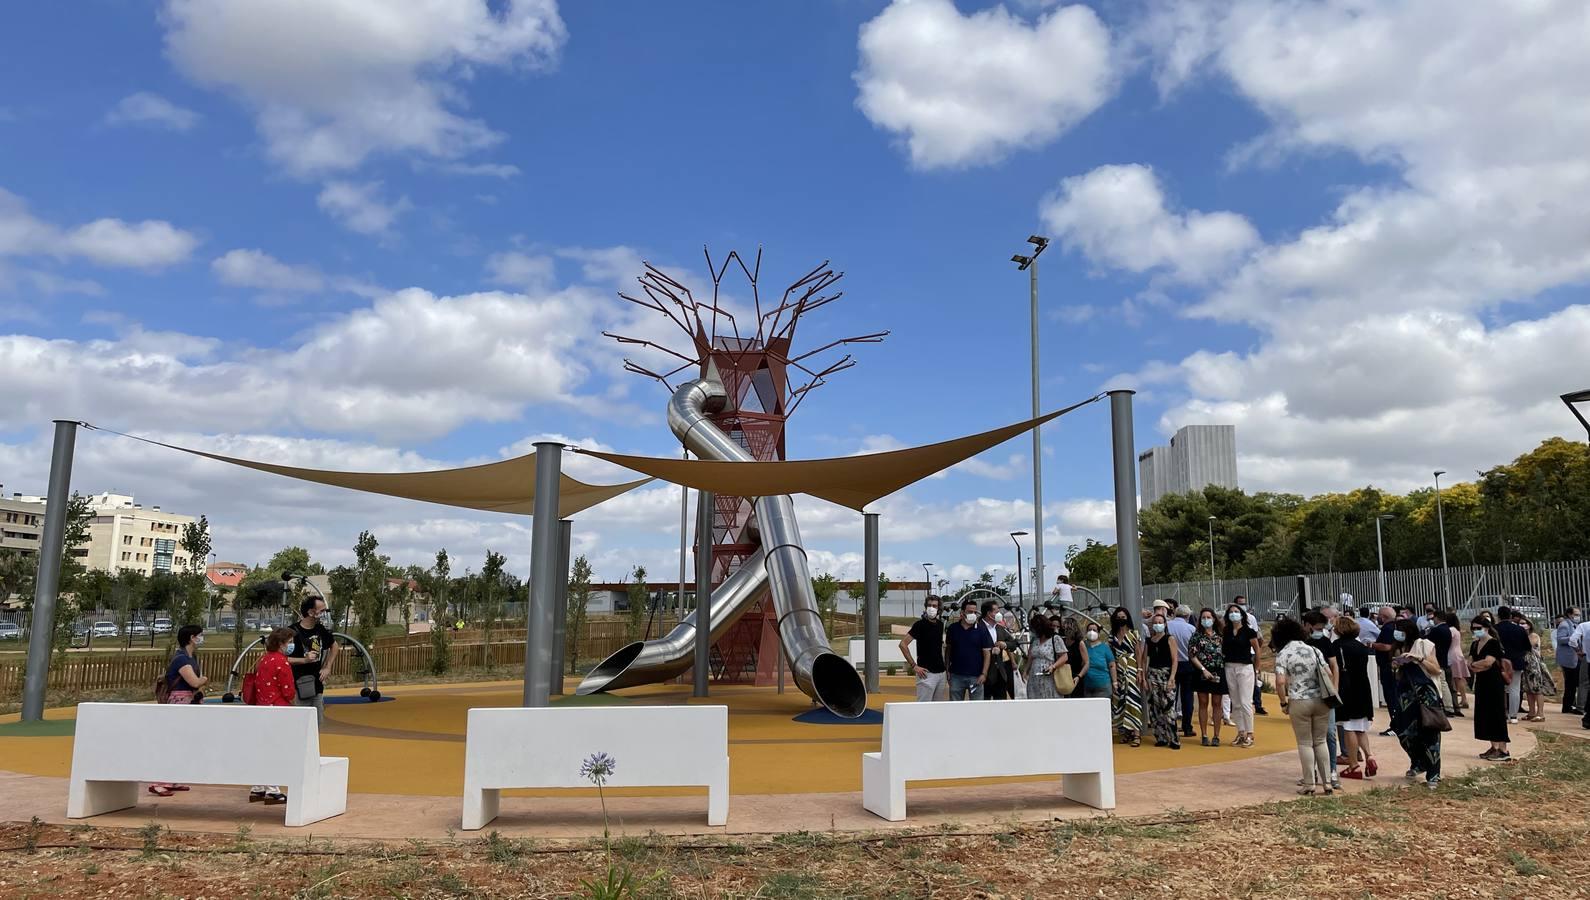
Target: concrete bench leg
[
  {"x": 324, "y": 796},
  {"x": 881, "y": 794},
  {"x": 1092, "y": 789},
  {"x": 480, "y": 807},
  {"x": 718, "y": 797},
  {"x": 93, "y": 798}
]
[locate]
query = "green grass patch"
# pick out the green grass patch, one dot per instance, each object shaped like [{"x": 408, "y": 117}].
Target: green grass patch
[
  {"x": 1523, "y": 865},
  {"x": 45, "y": 728},
  {"x": 793, "y": 886}
]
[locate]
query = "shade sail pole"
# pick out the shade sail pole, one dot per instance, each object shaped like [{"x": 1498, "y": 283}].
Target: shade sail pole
[
  {"x": 703, "y": 592},
  {"x": 1123, "y": 446},
  {"x": 47, "y": 582},
  {"x": 543, "y": 576},
  {"x": 560, "y": 611},
  {"x": 870, "y": 626}
]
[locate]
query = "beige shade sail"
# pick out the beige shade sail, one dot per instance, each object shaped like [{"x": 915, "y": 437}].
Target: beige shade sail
[
  {"x": 852, "y": 481},
  {"x": 508, "y": 486}
]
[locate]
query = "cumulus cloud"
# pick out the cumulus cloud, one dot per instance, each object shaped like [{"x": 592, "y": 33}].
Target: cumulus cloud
[
  {"x": 360, "y": 207},
  {"x": 113, "y": 243},
  {"x": 518, "y": 269},
  {"x": 257, "y": 269},
  {"x": 333, "y": 82},
  {"x": 964, "y": 90},
  {"x": 152, "y": 110},
  {"x": 1117, "y": 217}
]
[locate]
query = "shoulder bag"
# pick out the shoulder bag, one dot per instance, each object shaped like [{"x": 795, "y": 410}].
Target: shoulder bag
[
  {"x": 1327, "y": 687},
  {"x": 1064, "y": 682}
]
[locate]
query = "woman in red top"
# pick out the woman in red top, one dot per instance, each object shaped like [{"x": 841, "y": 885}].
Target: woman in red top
[{"x": 273, "y": 686}]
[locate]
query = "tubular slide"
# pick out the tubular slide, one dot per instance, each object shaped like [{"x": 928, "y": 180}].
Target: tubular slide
[{"x": 779, "y": 566}]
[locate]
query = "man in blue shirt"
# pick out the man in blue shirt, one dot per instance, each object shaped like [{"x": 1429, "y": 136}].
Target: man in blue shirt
[
  {"x": 970, "y": 649},
  {"x": 1568, "y": 661},
  {"x": 1181, "y": 630}
]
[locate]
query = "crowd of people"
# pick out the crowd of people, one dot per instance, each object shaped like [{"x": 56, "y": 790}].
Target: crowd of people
[
  {"x": 288, "y": 673},
  {"x": 1169, "y": 667}
]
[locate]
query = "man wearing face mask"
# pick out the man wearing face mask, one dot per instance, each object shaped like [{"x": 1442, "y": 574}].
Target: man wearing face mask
[
  {"x": 969, "y": 652},
  {"x": 928, "y": 634},
  {"x": 313, "y": 651},
  {"x": 1388, "y": 643},
  {"x": 1568, "y": 660},
  {"x": 1182, "y": 631},
  {"x": 1001, "y": 684}
]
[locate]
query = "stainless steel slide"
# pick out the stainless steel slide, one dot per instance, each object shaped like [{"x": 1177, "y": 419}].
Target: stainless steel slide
[{"x": 779, "y": 566}]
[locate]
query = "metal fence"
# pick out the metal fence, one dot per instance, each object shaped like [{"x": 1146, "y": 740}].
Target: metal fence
[{"x": 1543, "y": 589}]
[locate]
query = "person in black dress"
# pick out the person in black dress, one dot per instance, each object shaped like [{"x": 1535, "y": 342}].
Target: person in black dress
[
  {"x": 1358, "y": 699},
  {"x": 1490, "y": 692}
]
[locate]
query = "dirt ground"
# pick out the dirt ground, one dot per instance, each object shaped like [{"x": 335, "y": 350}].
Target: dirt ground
[{"x": 1512, "y": 830}]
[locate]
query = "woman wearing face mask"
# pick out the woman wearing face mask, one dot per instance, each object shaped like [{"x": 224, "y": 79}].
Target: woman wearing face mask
[
  {"x": 1417, "y": 668},
  {"x": 1156, "y": 663},
  {"x": 1457, "y": 662},
  {"x": 1101, "y": 676},
  {"x": 1045, "y": 653},
  {"x": 1077, "y": 651},
  {"x": 1300, "y": 673},
  {"x": 1537, "y": 684},
  {"x": 183, "y": 683},
  {"x": 1127, "y": 709},
  {"x": 1209, "y": 669},
  {"x": 1239, "y": 644},
  {"x": 1358, "y": 699},
  {"x": 1490, "y": 692}
]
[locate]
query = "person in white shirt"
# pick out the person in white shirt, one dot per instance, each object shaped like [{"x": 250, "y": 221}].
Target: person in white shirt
[
  {"x": 1062, "y": 590},
  {"x": 1182, "y": 630},
  {"x": 1258, "y": 686}
]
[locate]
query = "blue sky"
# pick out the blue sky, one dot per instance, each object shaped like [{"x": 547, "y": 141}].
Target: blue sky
[{"x": 321, "y": 234}]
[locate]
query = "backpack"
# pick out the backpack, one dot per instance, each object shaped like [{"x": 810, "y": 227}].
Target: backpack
[
  {"x": 250, "y": 690},
  {"x": 162, "y": 689}
]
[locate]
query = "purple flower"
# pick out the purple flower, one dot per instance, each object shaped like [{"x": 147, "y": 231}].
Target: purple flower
[{"x": 597, "y": 768}]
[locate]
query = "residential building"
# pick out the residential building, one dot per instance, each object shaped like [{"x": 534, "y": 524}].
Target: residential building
[
  {"x": 124, "y": 535},
  {"x": 21, "y": 523},
  {"x": 1198, "y": 456},
  {"x": 225, "y": 576}
]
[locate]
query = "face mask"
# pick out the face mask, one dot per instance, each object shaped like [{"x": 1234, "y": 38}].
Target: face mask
[
  {"x": 198, "y": 640},
  {"x": 971, "y": 617},
  {"x": 1234, "y": 616},
  {"x": 1396, "y": 636},
  {"x": 1208, "y": 623},
  {"x": 1159, "y": 627},
  {"x": 1093, "y": 635},
  {"x": 932, "y": 612},
  {"x": 1319, "y": 635},
  {"x": 1575, "y": 619}
]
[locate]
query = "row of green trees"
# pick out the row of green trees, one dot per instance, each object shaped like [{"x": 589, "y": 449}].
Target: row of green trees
[{"x": 1536, "y": 508}]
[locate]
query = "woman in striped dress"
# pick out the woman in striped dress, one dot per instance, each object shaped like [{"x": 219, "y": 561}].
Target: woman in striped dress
[{"x": 1127, "y": 706}]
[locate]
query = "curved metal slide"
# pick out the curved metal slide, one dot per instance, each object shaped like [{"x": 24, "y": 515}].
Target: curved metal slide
[{"x": 778, "y": 566}]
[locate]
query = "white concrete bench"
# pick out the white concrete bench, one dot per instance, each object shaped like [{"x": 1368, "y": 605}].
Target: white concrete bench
[
  {"x": 888, "y": 652},
  {"x": 119, "y": 745},
  {"x": 653, "y": 746},
  {"x": 1070, "y": 738}
]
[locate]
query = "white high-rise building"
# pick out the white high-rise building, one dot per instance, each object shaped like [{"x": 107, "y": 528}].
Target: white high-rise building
[
  {"x": 1198, "y": 456},
  {"x": 127, "y": 535}
]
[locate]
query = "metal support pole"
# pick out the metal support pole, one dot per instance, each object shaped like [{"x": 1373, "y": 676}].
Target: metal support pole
[
  {"x": 703, "y": 659},
  {"x": 47, "y": 582},
  {"x": 560, "y": 609},
  {"x": 869, "y": 627},
  {"x": 684, "y": 529},
  {"x": 1124, "y": 453},
  {"x": 1038, "y": 582},
  {"x": 1440, "y": 518},
  {"x": 1380, "y": 553},
  {"x": 543, "y": 576}
]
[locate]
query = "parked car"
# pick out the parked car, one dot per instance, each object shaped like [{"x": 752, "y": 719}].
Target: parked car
[
  {"x": 228, "y": 623},
  {"x": 105, "y": 630},
  {"x": 1527, "y": 604},
  {"x": 251, "y": 624},
  {"x": 161, "y": 626},
  {"x": 137, "y": 628},
  {"x": 10, "y": 631}
]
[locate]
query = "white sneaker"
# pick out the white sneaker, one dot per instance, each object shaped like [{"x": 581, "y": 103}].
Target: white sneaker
[{"x": 1228, "y": 723}]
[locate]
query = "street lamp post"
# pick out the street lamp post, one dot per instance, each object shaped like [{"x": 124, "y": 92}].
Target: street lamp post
[
  {"x": 1020, "y": 593},
  {"x": 926, "y": 577},
  {"x": 1380, "y": 551},
  {"x": 1214, "y": 582},
  {"x": 1030, "y": 265},
  {"x": 1440, "y": 519}
]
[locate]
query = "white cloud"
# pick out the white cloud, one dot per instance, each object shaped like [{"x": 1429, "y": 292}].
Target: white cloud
[
  {"x": 144, "y": 108},
  {"x": 335, "y": 81},
  {"x": 115, "y": 243},
  {"x": 969, "y": 89},
  {"x": 257, "y": 269},
  {"x": 359, "y": 206},
  {"x": 1117, "y": 216},
  {"x": 487, "y": 170},
  {"x": 521, "y": 270}
]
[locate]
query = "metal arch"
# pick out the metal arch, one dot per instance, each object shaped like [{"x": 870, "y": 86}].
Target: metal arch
[{"x": 371, "y": 685}]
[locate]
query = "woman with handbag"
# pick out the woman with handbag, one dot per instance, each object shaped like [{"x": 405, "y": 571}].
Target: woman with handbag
[
  {"x": 1303, "y": 682},
  {"x": 182, "y": 683},
  {"x": 1490, "y": 690},
  {"x": 1537, "y": 682},
  {"x": 1209, "y": 670},
  {"x": 1156, "y": 665},
  {"x": 1126, "y": 711},
  {"x": 1420, "y": 716},
  {"x": 1358, "y": 699},
  {"x": 1048, "y": 675}
]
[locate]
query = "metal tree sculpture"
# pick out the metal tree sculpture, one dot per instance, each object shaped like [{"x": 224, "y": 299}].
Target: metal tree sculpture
[{"x": 754, "y": 364}]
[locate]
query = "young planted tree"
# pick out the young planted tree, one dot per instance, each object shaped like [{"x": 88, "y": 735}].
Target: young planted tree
[
  {"x": 637, "y": 605},
  {"x": 370, "y": 602},
  {"x": 67, "y": 608},
  {"x": 437, "y": 583},
  {"x": 575, "y": 614},
  {"x": 344, "y": 584},
  {"x": 826, "y": 588},
  {"x": 491, "y": 598}
]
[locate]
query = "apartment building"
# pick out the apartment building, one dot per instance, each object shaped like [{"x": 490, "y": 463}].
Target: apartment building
[
  {"x": 127, "y": 535},
  {"x": 21, "y": 523},
  {"x": 1198, "y": 456}
]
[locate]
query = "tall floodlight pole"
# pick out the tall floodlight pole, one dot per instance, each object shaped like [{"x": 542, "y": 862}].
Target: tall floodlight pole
[
  {"x": 544, "y": 530},
  {"x": 47, "y": 582},
  {"x": 1214, "y": 583},
  {"x": 929, "y": 578},
  {"x": 1129, "y": 568},
  {"x": 1440, "y": 519},
  {"x": 1030, "y": 265},
  {"x": 870, "y": 619},
  {"x": 1037, "y": 588},
  {"x": 703, "y": 657},
  {"x": 1380, "y": 551}
]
